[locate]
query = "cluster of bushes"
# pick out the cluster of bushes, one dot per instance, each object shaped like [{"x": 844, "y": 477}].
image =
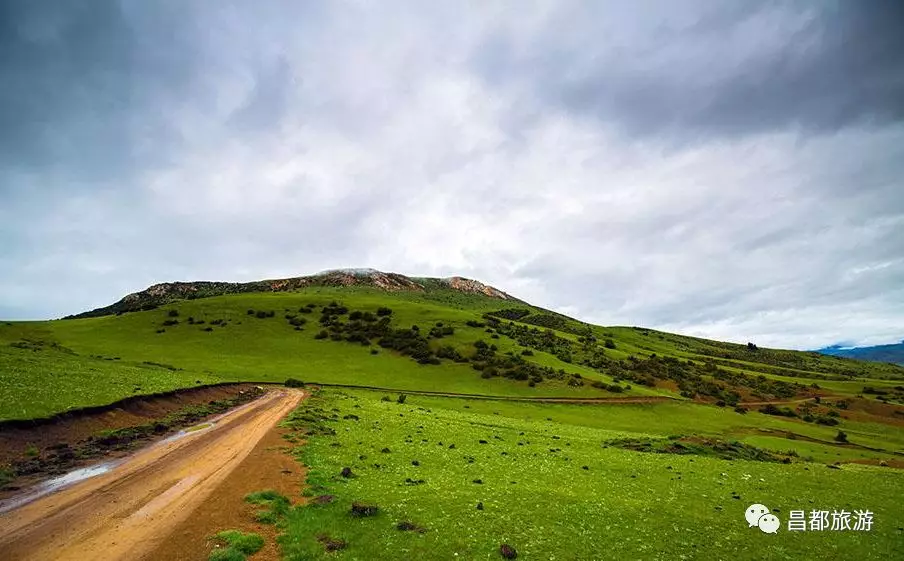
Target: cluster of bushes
[
  {"x": 512, "y": 366},
  {"x": 512, "y": 314},
  {"x": 295, "y": 321},
  {"x": 695, "y": 379},
  {"x": 614, "y": 388},
  {"x": 261, "y": 314},
  {"x": 539, "y": 340},
  {"x": 771, "y": 409}
]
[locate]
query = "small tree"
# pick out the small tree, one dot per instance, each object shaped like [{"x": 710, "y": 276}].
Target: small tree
[
  {"x": 402, "y": 397},
  {"x": 841, "y": 436}
]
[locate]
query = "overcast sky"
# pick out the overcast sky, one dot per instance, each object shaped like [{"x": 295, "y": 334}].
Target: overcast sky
[{"x": 727, "y": 169}]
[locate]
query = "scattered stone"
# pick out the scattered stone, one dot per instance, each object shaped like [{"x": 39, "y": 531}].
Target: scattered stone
[
  {"x": 324, "y": 499},
  {"x": 483, "y": 442},
  {"x": 331, "y": 544},
  {"x": 385, "y": 450},
  {"x": 478, "y": 481},
  {"x": 406, "y": 526},
  {"x": 346, "y": 472},
  {"x": 452, "y": 447},
  {"x": 507, "y": 551},
  {"x": 361, "y": 510},
  {"x": 480, "y": 506},
  {"x": 415, "y": 463},
  {"x": 585, "y": 467}
]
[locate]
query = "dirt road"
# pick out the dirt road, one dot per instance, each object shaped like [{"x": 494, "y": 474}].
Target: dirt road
[{"x": 127, "y": 512}]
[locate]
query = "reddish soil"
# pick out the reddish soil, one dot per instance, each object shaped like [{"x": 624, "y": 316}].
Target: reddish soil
[
  {"x": 128, "y": 512},
  {"x": 268, "y": 466}
]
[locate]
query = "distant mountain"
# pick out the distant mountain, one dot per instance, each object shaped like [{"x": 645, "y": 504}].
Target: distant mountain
[
  {"x": 164, "y": 293},
  {"x": 880, "y": 353}
]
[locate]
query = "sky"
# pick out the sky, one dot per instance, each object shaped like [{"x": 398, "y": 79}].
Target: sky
[{"x": 726, "y": 169}]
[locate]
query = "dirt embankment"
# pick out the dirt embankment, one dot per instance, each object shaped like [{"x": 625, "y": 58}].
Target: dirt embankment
[
  {"x": 131, "y": 510},
  {"x": 31, "y": 450}
]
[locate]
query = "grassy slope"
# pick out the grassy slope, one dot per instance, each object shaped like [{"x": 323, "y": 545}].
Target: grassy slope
[
  {"x": 48, "y": 380},
  {"x": 625, "y": 505}
]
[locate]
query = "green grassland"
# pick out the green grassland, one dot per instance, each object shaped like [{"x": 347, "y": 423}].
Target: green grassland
[
  {"x": 52, "y": 366},
  {"x": 552, "y": 488},
  {"x": 555, "y": 480}
]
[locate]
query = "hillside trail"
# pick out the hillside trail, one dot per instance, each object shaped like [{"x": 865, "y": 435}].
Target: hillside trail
[{"x": 127, "y": 512}]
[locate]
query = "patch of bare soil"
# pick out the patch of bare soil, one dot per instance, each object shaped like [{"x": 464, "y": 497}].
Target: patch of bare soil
[{"x": 268, "y": 466}]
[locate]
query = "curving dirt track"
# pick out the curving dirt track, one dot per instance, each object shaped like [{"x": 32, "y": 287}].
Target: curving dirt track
[{"x": 127, "y": 512}]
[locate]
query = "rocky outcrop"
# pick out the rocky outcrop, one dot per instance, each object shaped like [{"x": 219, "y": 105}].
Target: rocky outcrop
[
  {"x": 475, "y": 287},
  {"x": 163, "y": 293}
]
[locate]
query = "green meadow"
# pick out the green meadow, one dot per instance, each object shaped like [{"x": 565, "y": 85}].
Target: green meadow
[{"x": 541, "y": 478}]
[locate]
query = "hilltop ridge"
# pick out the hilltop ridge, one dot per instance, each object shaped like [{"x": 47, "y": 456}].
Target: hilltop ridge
[{"x": 163, "y": 293}]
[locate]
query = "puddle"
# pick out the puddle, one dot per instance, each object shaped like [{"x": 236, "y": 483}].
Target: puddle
[
  {"x": 55, "y": 484},
  {"x": 187, "y": 431}
]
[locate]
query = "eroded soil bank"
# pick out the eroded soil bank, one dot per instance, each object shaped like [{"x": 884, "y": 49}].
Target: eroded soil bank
[
  {"x": 34, "y": 450},
  {"x": 153, "y": 495}
]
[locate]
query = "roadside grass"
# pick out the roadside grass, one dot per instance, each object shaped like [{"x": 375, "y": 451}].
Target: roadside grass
[
  {"x": 479, "y": 476},
  {"x": 237, "y": 545},
  {"x": 276, "y": 506}
]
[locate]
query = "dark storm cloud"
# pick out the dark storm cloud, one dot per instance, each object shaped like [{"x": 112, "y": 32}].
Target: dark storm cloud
[
  {"x": 724, "y": 169},
  {"x": 735, "y": 68},
  {"x": 84, "y": 84}
]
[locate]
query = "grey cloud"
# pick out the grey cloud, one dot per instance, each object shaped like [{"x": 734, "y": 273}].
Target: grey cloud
[{"x": 739, "y": 68}]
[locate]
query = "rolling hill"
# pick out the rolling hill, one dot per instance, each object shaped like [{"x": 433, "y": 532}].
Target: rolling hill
[{"x": 368, "y": 328}]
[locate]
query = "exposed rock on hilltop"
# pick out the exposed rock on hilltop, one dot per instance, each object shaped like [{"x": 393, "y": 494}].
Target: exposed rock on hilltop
[
  {"x": 467, "y": 285},
  {"x": 164, "y": 293}
]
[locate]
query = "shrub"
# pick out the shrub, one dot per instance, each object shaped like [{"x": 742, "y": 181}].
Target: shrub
[
  {"x": 527, "y": 352},
  {"x": 250, "y": 312},
  {"x": 383, "y": 311},
  {"x": 173, "y": 313},
  {"x": 841, "y": 437},
  {"x": 170, "y": 322},
  {"x": 294, "y": 383},
  {"x": 401, "y": 399},
  {"x": 322, "y": 335}
]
